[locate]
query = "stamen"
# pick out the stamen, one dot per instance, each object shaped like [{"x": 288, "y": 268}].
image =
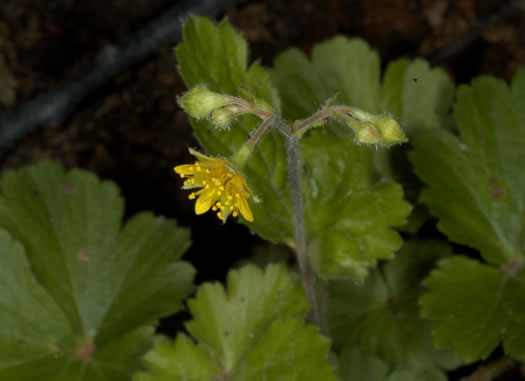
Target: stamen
[{"x": 191, "y": 196}]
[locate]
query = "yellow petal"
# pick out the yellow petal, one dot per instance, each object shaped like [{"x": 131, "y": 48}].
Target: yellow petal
[
  {"x": 244, "y": 208},
  {"x": 186, "y": 169},
  {"x": 205, "y": 201}
]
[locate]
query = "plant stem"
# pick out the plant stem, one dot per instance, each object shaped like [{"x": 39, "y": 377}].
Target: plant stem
[
  {"x": 293, "y": 160},
  {"x": 324, "y": 113},
  {"x": 294, "y": 178}
]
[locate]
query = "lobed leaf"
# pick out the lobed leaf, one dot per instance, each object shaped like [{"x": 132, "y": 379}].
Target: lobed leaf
[
  {"x": 97, "y": 287},
  {"x": 475, "y": 184},
  {"x": 478, "y": 306},
  {"x": 349, "y": 221},
  {"x": 420, "y": 97},
  {"x": 354, "y": 364},
  {"x": 254, "y": 330},
  {"x": 381, "y": 317}
]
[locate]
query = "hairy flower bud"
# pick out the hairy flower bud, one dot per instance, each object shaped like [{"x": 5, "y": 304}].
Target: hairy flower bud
[
  {"x": 365, "y": 132},
  {"x": 390, "y": 130},
  {"x": 222, "y": 117},
  {"x": 200, "y": 102}
]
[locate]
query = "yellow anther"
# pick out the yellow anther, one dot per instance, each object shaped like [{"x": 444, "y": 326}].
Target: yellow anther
[
  {"x": 204, "y": 182},
  {"x": 192, "y": 168},
  {"x": 181, "y": 175},
  {"x": 230, "y": 197},
  {"x": 207, "y": 186},
  {"x": 191, "y": 196},
  {"x": 235, "y": 214},
  {"x": 219, "y": 193},
  {"x": 221, "y": 187},
  {"x": 214, "y": 208},
  {"x": 237, "y": 195}
]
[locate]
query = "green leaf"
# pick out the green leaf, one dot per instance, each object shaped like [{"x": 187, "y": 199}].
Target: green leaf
[
  {"x": 420, "y": 97},
  {"x": 252, "y": 331},
  {"x": 98, "y": 283},
  {"x": 217, "y": 56},
  {"x": 477, "y": 306},
  {"x": 337, "y": 66},
  {"x": 475, "y": 185},
  {"x": 381, "y": 316},
  {"x": 354, "y": 364},
  {"x": 348, "y": 218}
]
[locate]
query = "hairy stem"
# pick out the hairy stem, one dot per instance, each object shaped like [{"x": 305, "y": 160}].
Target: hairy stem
[
  {"x": 294, "y": 175},
  {"x": 293, "y": 160},
  {"x": 322, "y": 114}
]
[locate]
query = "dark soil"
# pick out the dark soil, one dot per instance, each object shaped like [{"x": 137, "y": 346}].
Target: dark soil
[{"x": 133, "y": 132}]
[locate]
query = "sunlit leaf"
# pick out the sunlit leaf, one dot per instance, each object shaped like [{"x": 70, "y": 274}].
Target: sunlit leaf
[{"x": 253, "y": 330}]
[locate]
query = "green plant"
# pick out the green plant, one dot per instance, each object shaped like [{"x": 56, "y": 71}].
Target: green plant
[{"x": 307, "y": 155}]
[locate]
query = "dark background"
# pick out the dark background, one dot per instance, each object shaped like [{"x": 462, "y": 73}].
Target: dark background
[{"x": 132, "y": 131}]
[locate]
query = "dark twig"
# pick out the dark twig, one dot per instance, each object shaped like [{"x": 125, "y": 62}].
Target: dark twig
[{"x": 58, "y": 103}]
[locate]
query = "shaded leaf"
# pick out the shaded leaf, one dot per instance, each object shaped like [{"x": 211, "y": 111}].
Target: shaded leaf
[
  {"x": 381, "y": 317},
  {"x": 477, "y": 306},
  {"x": 354, "y": 364}
]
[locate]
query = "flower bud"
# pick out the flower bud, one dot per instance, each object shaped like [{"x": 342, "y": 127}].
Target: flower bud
[
  {"x": 222, "y": 117},
  {"x": 390, "y": 130},
  {"x": 365, "y": 132},
  {"x": 199, "y": 102}
]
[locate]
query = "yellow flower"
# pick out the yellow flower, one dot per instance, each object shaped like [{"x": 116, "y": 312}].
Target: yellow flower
[{"x": 223, "y": 187}]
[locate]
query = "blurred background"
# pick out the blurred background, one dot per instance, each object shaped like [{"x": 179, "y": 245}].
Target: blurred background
[{"x": 130, "y": 129}]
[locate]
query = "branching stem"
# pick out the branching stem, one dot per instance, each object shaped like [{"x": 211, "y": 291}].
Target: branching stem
[{"x": 294, "y": 177}]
